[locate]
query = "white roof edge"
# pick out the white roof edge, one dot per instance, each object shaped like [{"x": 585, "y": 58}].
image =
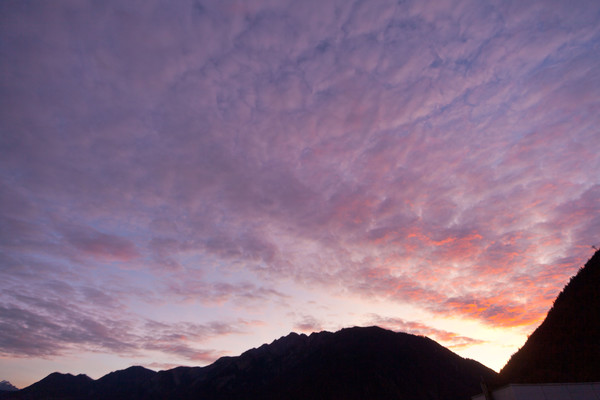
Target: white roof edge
[{"x": 550, "y": 384}]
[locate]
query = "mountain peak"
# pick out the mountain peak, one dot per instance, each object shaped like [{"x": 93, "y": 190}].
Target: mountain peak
[
  {"x": 353, "y": 363},
  {"x": 7, "y": 386},
  {"x": 58, "y": 385},
  {"x": 565, "y": 347}
]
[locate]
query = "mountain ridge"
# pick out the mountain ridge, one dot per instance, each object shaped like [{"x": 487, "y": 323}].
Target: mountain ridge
[
  {"x": 353, "y": 363},
  {"x": 565, "y": 346},
  {"x": 6, "y": 386}
]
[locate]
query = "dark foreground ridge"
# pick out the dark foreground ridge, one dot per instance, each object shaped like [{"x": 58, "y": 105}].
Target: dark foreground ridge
[
  {"x": 354, "y": 363},
  {"x": 566, "y": 346}
]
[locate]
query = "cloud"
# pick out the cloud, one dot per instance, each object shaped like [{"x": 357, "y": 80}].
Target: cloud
[
  {"x": 308, "y": 324},
  {"x": 180, "y": 339},
  {"x": 27, "y": 333},
  {"x": 233, "y": 155},
  {"x": 54, "y": 329},
  {"x": 449, "y": 339},
  {"x": 22, "y": 333},
  {"x": 101, "y": 245},
  {"x": 243, "y": 293}
]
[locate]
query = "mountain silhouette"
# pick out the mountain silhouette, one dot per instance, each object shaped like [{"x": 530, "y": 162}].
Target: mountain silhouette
[
  {"x": 6, "y": 386},
  {"x": 124, "y": 384},
  {"x": 566, "y": 346},
  {"x": 55, "y": 386},
  {"x": 354, "y": 363}
]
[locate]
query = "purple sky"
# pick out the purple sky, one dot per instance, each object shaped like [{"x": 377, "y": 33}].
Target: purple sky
[{"x": 185, "y": 180}]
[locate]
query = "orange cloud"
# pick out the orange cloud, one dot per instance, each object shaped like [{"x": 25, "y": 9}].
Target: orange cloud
[{"x": 449, "y": 339}]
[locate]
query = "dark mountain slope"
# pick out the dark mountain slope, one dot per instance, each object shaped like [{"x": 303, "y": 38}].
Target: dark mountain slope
[
  {"x": 6, "y": 386},
  {"x": 125, "y": 384},
  {"x": 354, "y": 363},
  {"x": 566, "y": 346},
  {"x": 56, "y": 386}
]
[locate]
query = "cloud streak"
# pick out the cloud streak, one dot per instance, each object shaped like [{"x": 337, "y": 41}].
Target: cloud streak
[
  {"x": 53, "y": 330},
  {"x": 450, "y": 339}
]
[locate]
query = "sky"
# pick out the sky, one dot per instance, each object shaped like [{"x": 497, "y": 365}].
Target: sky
[{"x": 181, "y": 181}]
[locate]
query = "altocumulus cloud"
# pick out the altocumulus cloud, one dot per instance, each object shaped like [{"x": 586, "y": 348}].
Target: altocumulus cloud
[{"x": 224, "y": 151}]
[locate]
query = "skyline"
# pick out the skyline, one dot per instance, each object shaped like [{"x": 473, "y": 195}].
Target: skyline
[{"x": 182, "y": 181}]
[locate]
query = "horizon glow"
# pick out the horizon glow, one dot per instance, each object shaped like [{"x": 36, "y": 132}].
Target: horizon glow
[{"x": 183, "y": 181}]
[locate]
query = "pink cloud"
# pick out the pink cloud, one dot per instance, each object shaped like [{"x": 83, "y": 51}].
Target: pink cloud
[
  {"x": 308, "y": 324},
  {"x": 101, "y": 245},
  {"x": 450, "y": 339},
  {"x": 47, "y": 329}
]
